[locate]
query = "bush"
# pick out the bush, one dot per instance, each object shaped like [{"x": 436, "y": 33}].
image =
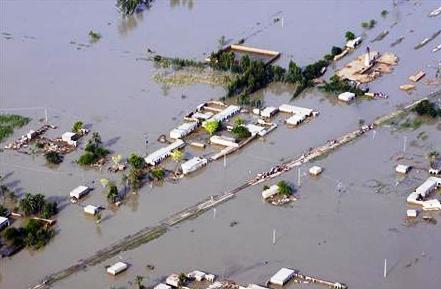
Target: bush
[
  {"x": 428, "y": 108},
  {"x": 87, "y": 159},
  {"x": 158, "y": 173},
  {"x": 77, "y": 126},
  {"x": 349, "y": 35},
  {"x": 284, "y": 188},
  {"x": 336, "y": 50},
  {"x": 211, "y": 126},
  {"x": 53, "y": 158},
  {"x": 136, "y": 161},
  {"x": 241, "y": 132},
  {"x": 94, "y": 151}
]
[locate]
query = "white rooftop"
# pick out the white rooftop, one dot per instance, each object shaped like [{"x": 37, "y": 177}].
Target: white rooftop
[
  {"x": 163, "y": 152},
  {"x": 282, "y": 276},
  {"x": 162, "y": 286},
  {"x": 3, "y": 220},
  {"x": 78, "y": 191}
]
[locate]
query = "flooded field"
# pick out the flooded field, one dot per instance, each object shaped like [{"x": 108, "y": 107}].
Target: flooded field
[{"x": 343, "y": 225}]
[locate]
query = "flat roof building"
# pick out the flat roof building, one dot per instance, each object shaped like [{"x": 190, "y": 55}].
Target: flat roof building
[
  {"x": 79, "y": 192},
  {"x": 402, "y": 169},
  {"x": 162, "y": 286},
  {"x": 271, "y": 191},
  {"x": 91, "y": 210},
  {"x": 353, "y": 43},
  {"x": 421, "y": 193},
  {"x": 173, "y": 280},
  {"x": 227, "y": 113},
  {"x": 296, "y": 119},
  {"x": 315, "y": 170},
  {"x": 256, "y": 129},
  {"x": 159, "y": 155},
  {"x": 193, "y": 165},
  {"x": 269, "y": 111},
  {"x": 224, "y": 141},
  {"x": 117, "y": 268},
  {"x": 282, "y": 276},
  {"x": 183, "y": 130},
  {"x": 296, "y": 109}
]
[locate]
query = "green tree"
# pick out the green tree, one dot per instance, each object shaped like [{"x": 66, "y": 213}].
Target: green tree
[
  {"x": 77, "y": 126},
  {"x": 336, "y": 50},
  {"x": 158, "y": 173},
  {"x": 138, "y": 281},
  {"x": 136, "y": 161},
  {"x": 177, "y": 156},
  {"x": 53, "y": 157},
  {"x": 239, "y": 121},
  {"x": 284, "y": 188},
  {"x": 32, "y": 204},
  {"x": 349, "y": 35},
  {"x": 211, "y": 126},
  {"x": 241, "y": 132},
  {"x": 112, "y": 193}
]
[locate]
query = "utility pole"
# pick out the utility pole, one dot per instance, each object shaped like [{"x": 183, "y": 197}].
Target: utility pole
[
  {"x": 45, "y": 114},
  {"x": 404, "y": 143},
  {"x": 385, "y": 268},
  {"x": 298, "y": 177},
  {"x": 274, "y": 236}
]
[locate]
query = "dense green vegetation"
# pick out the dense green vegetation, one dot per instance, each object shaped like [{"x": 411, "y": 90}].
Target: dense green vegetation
[
  {"x": 427, "y": 108},
  {"x": 53, "y": 158},
  {"x": 241, "y": 132},
  {"x": 3, "y": 211},
  {"x": 384, "y": 13},
  {"x": 37, "y": 205},
  {"x": 94, "y": 151},
  {"x": 33, "y": 235},
  {"x": 8, "y": 122},
  {"x": 284, "y": 189},
  {"x": 337, "y": 86}
]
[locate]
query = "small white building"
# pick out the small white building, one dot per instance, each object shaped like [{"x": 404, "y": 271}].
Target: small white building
[
  {"x": 117, "y": 268},
  {"x": 353, "y": 43},
  {"x": 224, "y": 141},
  {"x": 31, "y": 134},
  {"x": 269, "y": 111},
  {"x": 183, "y": 130},
  {"x": 197, "y": 275},
  {"x": 432, "y": 205},
  {"x": 159, "y": 155},
  {"x": 282, "y": 276},
  {"x": 256, "y": 129},
  {"x": 210, "y": 277},
  {"x": 70, "y": 138},
  {"x": 315, "y": 170},
  {"x": 162, "y": 286},
  {"x": 4, "y": 222},
  {"x": 202, "y": 115},
  {"x": 193, "y": 165},
  {"x": 402, "y": 169},
  {"x": 271, "y": 191},
  {"x": 434, "y": 172},
  {"x": 227, "y": 113},
  {"x": 346, "y": 96},
  {"x": 173, "y": 280},
  {"x": 287, "y": 108},
  {"x": 412, "y": 213},
  {"x": 296, "y": 119},
  {"x": 91, "y": 210},
  {"x": 79, "y": 192}
]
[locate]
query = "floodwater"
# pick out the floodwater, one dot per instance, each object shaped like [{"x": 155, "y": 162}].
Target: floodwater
[{"x": 48, "y": 62}]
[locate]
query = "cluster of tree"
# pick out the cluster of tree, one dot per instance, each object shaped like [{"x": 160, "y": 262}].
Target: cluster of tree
[
  {"x": 239, "y": 130},
  {"x": 3, "y": 211},
  {"x": 284, "y": 188},
  {"x": 37, "y": 205},
  {"x": 54, "y": 157},
  {"x": 33, "y": 235},
  {"x": 176, "y": 62},
  {"x": 8, "y": 122},
  {"x": 94, "y": 151},
  {"x": 337, "y": 86},
  {"x": 428, "y": 108},
  {"x": 94, "y": 36},
  {"x": 112, "y": 193},
  {"x": 128, "y": 7}
]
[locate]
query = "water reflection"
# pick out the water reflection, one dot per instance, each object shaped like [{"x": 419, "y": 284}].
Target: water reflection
[
  {"x": 184, "y": 3},
  {"x": 129, "y": 22}
]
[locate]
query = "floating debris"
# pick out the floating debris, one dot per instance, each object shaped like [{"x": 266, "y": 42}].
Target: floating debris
[
  {"x": 380, "y": 36},
  {"x": 396, "y": 42}
]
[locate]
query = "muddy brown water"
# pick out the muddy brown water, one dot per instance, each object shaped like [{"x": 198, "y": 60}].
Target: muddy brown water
[{"x": 47, "y": 61}]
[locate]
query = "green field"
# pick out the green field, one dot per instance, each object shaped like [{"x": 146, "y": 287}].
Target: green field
[{"x": 9, "y": 122}]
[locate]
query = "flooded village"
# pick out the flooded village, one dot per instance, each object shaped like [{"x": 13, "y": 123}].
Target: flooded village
[{"x": 220, "y": 144}]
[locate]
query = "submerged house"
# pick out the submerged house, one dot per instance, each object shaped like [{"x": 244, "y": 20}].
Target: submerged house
[
  {"x": 70, "y": 138},
  {"x": 224, "y": 141},
  {"x": 346, "y": 96},
  {"x": 282, "y": 276},
  {"x": 156, "y": 157},
  {"x": 4, "y": 222},
  {"x": 271, "y": 191},
  {"x": 79, "y": 192},
  {"x": 225, "y": 114},
  {"x": 117, "y": 268}
]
